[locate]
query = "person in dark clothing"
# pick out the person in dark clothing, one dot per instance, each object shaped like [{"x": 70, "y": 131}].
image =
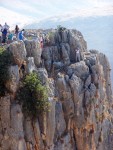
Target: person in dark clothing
[
  {"x": 16, "y": 31},
  {"x": 4, "y": 35}
]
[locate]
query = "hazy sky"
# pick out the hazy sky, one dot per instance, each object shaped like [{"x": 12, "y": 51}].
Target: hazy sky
[{"x": 25, "y": 11}]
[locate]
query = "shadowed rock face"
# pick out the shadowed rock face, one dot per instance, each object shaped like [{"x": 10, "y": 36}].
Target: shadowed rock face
[{"x": 79, "y": 92}]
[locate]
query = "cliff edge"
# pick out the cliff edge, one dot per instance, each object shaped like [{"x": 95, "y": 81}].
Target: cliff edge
[{"x": 80, "y": 96}]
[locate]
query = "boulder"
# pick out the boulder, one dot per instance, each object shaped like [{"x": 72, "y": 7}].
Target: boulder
[
  {"x": 18, "y": 51},
  {"x": 30, "y": 65},
  {"x": 33, "y": 50},
  {"x": 79, "y": 69},
  {"x": 12, "y": 83}
]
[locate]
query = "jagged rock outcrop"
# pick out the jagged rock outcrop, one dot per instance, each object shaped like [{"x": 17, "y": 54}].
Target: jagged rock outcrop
[
  {"x": 19, "y": 52},
  {"x": 80, "y": 95},
  {"x": 33, "y": 50}
]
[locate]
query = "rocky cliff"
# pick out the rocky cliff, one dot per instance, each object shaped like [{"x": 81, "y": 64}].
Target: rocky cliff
[{"x": 80, "y": 116}]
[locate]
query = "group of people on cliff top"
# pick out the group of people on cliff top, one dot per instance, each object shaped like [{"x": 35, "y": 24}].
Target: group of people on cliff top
[{"x": 7, "y": 37}]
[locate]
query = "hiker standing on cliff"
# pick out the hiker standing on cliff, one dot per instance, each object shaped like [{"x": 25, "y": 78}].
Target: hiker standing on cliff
[
  {"x": 20, "y": 35},
  {"x": 4, "y": 35},
  {"x": 10, "y": 37},
  {"x": 16, "y": 31},
  {"x": 6, "y": 26},
  {"x": 4, "y": 32},
  {"x": 77, "y": 54}
]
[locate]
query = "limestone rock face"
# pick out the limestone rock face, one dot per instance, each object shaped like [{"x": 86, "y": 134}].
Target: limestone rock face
[
  {"x": 30, "y": 65},
  {"x": 33, "y": 50},
  {"x": 12, "y": 83},
  {"x": 18, "y": 51},
  {"x": 80, "y": 95}
]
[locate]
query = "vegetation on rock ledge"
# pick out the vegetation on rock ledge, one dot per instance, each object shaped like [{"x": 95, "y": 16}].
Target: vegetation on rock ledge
[
  {"x": 33, "y": 96},
  {"x": 6, "y": 60}
]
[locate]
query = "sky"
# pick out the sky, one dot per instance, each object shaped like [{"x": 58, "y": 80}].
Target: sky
[{"x": 27, "y": 11}]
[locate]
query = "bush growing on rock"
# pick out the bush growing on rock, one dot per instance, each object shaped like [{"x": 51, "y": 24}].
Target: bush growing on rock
[
  {"x": 34, "y": 96},
  {"x": 50, "y": 34},
  {"x": 59, "y": 27},
  {"x": 49, "y": 38},
  {"x": 6, "y": 60}
]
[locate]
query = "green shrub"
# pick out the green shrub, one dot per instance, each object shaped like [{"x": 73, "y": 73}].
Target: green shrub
[
  {"x": 6, "y": 60},
  {"x": 33, "y": 96},
  {"x": 60, "y": 28},
  {"x": 50, "y": 35},
  {"x": 29, "y": 38}
]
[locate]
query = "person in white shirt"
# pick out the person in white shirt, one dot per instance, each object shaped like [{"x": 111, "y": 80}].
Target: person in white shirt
[
  {"x": 77, "y": 54},
  {"x": 6, "y": 26},
  {"x": 4, "y": 33}
]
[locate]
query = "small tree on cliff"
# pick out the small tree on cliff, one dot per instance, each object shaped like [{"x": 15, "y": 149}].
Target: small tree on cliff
[
  {"x": 6, "y": 60},
  {"x": 33, "y": 96}
]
